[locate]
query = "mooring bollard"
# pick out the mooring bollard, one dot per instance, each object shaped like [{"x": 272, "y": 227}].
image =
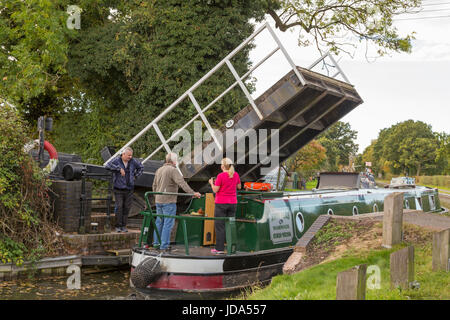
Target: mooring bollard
[
  {"x": 402, "y": 268},
  {"x": 441, "y": 250},
  {"x": 392, "y": 219},
  {"x": 351, "y": 284}
]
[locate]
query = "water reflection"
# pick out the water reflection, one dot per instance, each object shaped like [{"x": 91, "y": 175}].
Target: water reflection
[{"x": 96, "y": 286}]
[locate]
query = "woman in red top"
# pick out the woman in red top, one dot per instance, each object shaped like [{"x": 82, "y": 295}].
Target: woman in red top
[{"x": 225, "y": 201}]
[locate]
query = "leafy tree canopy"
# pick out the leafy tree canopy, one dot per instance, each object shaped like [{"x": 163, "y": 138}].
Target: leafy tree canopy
[
  {"x": 409, "y": 147},
  {"x": 309, "y": 160},
  {"x": 33, "y": 53},
  {"x": 339, "y": 141},
  {"x": 327, "y": 23}
]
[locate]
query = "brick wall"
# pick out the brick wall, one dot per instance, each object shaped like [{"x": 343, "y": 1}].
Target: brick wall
[
  {"x": 92, "y": 244},
  {"x": 305, "y": 241},
  {"x": 101, "y": 220},
  {"x": 66, "y": 204}
]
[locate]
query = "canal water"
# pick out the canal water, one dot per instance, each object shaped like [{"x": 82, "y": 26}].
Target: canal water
[{"x": 113, "y": 285}]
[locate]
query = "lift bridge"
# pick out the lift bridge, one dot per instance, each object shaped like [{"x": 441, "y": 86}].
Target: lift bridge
[{"x": 301, "y": 105}]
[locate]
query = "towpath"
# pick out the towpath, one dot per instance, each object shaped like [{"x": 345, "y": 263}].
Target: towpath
[
  {"x": 443, "y": 193},
  {"x": 427, "y": 220}
]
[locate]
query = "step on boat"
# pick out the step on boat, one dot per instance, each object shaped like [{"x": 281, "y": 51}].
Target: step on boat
[{"x": 261, "y": 236}]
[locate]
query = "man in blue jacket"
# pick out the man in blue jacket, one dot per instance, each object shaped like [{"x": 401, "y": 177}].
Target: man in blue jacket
[{"x": 125, "y": 171}]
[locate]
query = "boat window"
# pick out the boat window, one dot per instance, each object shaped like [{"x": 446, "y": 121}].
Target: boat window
[
  {"x": 300, "y": 222},
  {"x": 375, "y": 208},
  {"x": 406, "y": 204},
  {"x": 355, "y": 210},
  {"x": 330, "y": 212},
  {"x": 418, "y": 203},
  {"x": 432, "y": 202}
]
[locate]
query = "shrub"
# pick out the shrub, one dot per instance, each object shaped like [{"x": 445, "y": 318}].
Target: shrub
[{"x": 25, "y": 226}]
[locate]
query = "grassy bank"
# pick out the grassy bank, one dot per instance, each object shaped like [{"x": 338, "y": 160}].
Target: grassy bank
[
  {"x": 441, "y": 182},
  {"x": 319, "y": 281},
  {"x": 445, "y": 202}
]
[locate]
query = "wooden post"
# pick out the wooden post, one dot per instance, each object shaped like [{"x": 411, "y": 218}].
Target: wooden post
[
  {"x": 441, "y": 250},
  {"x": 208, "y": 225},
  {"x": 351, "y": 284},
  {"x": 402, "y": 268},
  {"x": 392, "y": 219}
]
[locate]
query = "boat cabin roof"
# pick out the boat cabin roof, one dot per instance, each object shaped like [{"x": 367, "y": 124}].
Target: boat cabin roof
[{"x": 345, "y": 180}]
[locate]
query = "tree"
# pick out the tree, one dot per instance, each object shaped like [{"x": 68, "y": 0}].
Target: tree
[
  {"x": 325, "y": 22},
  {"x": 443, "y": 153},
  {"x": 378, "y": 164},
  {"x": 408, "y": 147},
  {"x": 308, "y": 160},
  {"x": 339, "y": 141},
  {"x": 33, "y": 54}
]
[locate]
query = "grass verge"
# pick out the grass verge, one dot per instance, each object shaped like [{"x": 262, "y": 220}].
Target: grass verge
[{"x": 319, "y": 281}]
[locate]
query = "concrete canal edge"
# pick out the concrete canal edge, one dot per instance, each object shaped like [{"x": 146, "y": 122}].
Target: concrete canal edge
[
  {"x": 88, "y": 251},
  {"x": 45, "y": 267},
  {"x": 59, "y": 266}
]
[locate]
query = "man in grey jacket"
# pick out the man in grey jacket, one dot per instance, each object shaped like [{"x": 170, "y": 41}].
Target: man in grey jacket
[{"x": 168, "y": 179}]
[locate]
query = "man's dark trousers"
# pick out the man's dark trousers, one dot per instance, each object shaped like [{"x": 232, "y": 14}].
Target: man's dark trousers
[{"x": 124, "y": 199}]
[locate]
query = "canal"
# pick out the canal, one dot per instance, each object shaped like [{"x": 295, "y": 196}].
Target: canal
[{"x": 112, "y": 285}]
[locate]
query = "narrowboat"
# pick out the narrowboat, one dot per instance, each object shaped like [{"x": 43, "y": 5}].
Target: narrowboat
[{"x": 261, "y": 236}]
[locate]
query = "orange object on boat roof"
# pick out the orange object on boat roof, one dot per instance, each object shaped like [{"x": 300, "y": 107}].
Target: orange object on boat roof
[{"x": 260, "y": 186}]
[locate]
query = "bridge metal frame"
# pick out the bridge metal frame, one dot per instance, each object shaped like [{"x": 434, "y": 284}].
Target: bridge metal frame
[{"x": 239, "y": 81}]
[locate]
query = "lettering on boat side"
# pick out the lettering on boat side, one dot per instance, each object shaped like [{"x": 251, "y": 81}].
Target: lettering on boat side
[
  {"x": 280, "y": 222},
  {"x": 229, "y": 310}
]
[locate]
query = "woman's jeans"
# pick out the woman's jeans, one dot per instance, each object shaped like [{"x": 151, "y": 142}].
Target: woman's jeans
[{"x": 164, "y": 225}]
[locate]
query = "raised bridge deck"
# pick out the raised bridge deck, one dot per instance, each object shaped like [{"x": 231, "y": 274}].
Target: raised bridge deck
[{"x": 299, "y": 112}]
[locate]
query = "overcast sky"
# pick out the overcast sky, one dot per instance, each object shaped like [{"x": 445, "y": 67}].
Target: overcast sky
[{"x": 395, "y": 88}]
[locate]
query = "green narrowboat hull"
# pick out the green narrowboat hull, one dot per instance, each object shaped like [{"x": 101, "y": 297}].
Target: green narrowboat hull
[{"x": 274, "y": 220}]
